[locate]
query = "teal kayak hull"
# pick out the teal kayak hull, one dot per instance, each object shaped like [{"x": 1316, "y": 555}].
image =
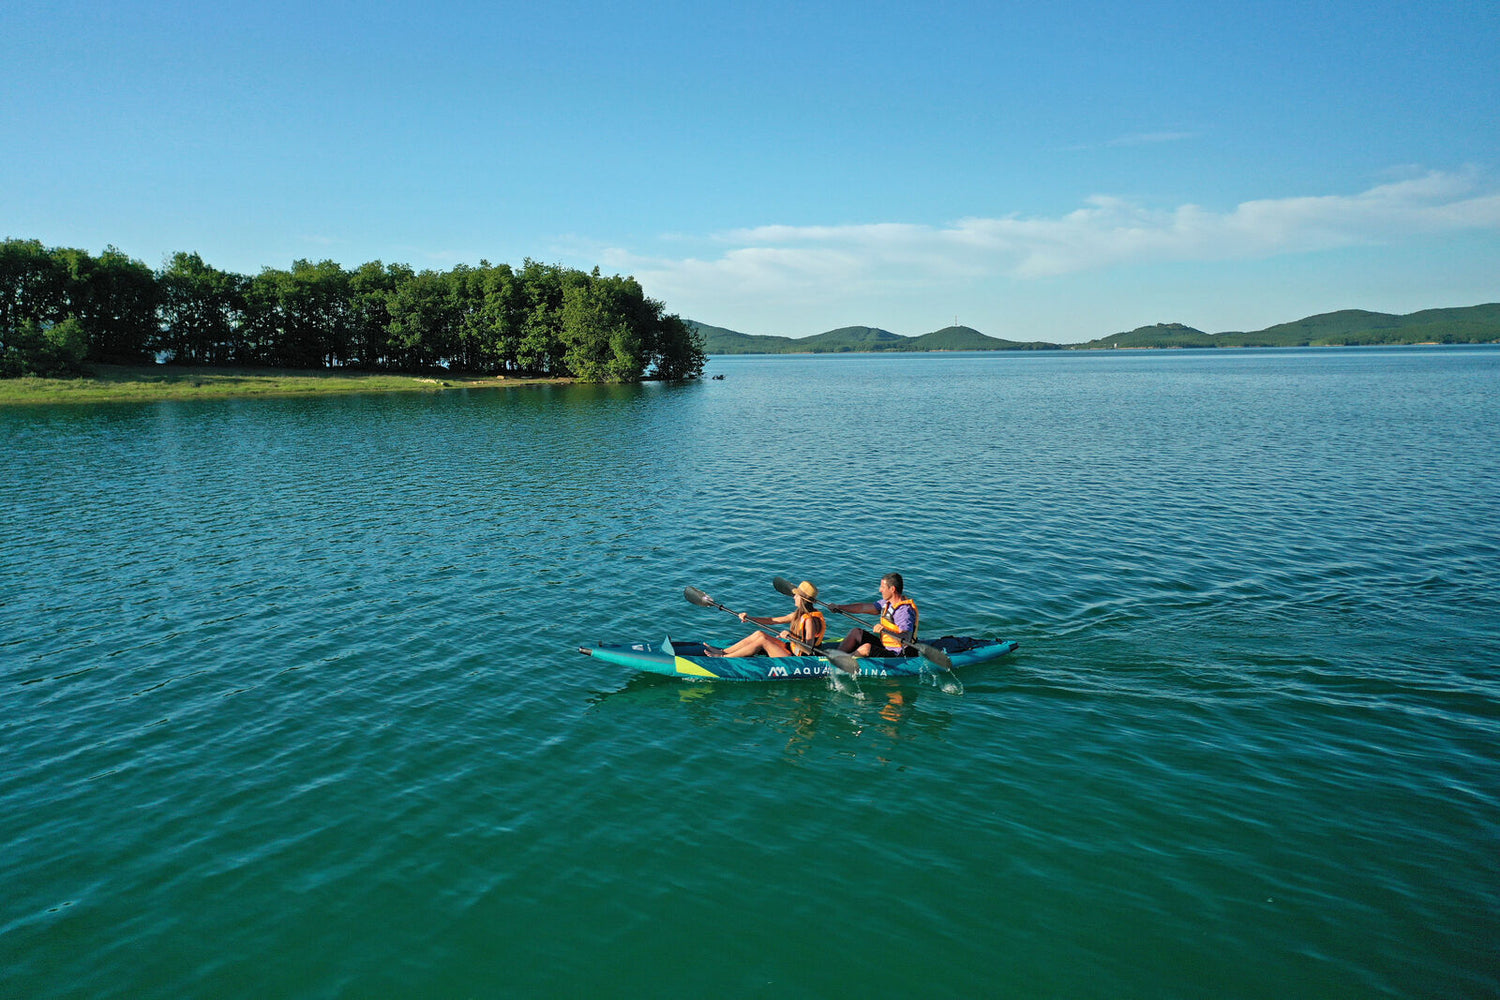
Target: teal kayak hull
[{"x": 687, "y": 659}]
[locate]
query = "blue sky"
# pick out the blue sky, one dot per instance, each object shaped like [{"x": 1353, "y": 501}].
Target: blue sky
[{"x": 1050, "y": 171}]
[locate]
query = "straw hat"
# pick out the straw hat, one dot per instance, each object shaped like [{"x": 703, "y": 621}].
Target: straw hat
[{"x": 807, "y": 590}]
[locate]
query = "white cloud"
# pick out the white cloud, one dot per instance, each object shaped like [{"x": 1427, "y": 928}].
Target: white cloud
[{"x": 803, "y": 263}]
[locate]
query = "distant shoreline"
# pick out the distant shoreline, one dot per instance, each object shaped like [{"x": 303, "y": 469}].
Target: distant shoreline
[
  {"x": 1079, "y": 349},
  {"x": 137, "y": 383},
  {"x": 1478, "y": 324},
  {"x": 102, "y": 383}
]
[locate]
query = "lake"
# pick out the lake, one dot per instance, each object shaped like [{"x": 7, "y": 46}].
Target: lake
[{"x": 292, "y": 704}]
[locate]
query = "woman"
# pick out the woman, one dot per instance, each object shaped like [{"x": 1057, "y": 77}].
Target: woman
[{"x": 805, "y": 623}]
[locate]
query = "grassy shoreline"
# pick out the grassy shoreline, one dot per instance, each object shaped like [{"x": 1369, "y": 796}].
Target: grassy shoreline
[{"x": 133, "y": 383}]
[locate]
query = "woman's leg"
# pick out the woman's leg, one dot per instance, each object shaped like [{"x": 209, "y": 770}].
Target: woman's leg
[
  {"x": 775, "y": 647},
  {"x": 744, "y": 646},
  {"x": 757, "y": 642}
]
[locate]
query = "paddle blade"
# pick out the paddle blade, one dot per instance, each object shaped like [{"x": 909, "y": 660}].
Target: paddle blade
[
  {"x": 784, "y": 586},
  {"x": 698, "y": 597},
  {"x": 935, "y": 655},
  {"x": 842, "y": 660}
]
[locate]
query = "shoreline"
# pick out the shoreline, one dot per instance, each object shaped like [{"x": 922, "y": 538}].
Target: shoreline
[
  {"x": 1079, "y": 348},
  {"x": 145, "y": 383}
]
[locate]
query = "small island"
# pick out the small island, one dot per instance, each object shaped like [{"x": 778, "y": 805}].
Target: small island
[{"x": 66, "y": 314}]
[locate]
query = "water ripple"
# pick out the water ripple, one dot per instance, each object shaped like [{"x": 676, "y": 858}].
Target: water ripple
[{"x": 292, "y": 704}]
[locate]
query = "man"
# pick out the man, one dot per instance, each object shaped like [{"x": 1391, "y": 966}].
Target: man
[{"x": 897, "y": 625}]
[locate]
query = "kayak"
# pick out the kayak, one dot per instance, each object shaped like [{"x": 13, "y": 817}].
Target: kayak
[{"x": 677, "y": 658}]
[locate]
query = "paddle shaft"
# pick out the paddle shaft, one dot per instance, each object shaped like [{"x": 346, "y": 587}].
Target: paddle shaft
[{"x": 709, "y": 602}]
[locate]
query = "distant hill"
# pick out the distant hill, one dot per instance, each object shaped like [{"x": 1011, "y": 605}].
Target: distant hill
[
  {"x": 1346, "y": 328},
  {"x": 1157, "y": 335},
  {"x": 1468, "y": 325},
  {"x": 718, "y": 340},
  {"x": 966, "y": 338},
  {"x": 853, "y": 338}
]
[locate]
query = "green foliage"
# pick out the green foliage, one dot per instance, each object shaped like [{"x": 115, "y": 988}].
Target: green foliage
[
  {"x": 541, "y": 320},
  {"x": 371, "y": 288},
  {"x": 679, "y": 352},
  {"x": 34, "y": 349},
  {"x": 115, "y": 299},
  {"x": 32, "y": 285},
  {"x": 202, "y": 311}
]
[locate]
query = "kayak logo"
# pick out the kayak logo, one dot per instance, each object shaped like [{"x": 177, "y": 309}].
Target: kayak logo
[{"x": 777, "y": 670}]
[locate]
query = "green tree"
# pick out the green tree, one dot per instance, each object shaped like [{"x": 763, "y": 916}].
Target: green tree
[
  {"x": 540, "y": 350},
  {"x": 32, "y": 286},
  {"x": 504, "y": 318},
  {"x": 264, "y": 329},
  {"x": 602, "y": 332},
  {"x": 470, "y": 334},
  {"x": 115, "y": 299},
  {"x": 542, "y": 319},
  {"x": 677, "y": 349},
  {"x": 370, "y": 290},
  {"x": 319, "y": 311},
  {"x": 300, "y": 318},
  {"x": 202, "y": 312},
  {"x": 423, "y": 321},
  {"x": 36, "y": 349}
]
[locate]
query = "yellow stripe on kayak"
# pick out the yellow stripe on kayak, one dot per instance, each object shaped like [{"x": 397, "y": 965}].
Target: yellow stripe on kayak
[{"x": 689, "y": 667}]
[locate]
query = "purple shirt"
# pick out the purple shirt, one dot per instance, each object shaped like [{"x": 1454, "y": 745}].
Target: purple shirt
[{"x": 905, "y": 618}]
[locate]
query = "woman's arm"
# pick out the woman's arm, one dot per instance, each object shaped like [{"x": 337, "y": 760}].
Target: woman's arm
[{"x": 765, "y": 621}]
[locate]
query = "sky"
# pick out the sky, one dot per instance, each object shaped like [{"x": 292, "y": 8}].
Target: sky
[{"x": 1053, "y": 172}]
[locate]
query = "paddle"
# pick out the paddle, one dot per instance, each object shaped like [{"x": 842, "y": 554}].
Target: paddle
[
  {"x": 925, "y": 651},
  {"x": 838, "y": 658}
]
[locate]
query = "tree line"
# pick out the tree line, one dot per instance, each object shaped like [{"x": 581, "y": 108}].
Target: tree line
[{"x": 62, "y": 307}]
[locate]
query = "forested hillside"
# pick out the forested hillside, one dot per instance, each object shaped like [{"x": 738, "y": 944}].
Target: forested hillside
[
  {"x": 717, "y": 340},
  {"x": 1350, "y": 327},
  {"x": 1346, "y": 328}
]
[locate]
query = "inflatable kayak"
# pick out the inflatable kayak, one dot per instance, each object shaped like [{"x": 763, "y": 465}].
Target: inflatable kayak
[{"x": 688, "y": 659}]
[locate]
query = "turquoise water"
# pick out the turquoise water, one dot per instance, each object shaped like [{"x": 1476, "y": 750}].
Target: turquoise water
[{"x": 292, "y": 707}]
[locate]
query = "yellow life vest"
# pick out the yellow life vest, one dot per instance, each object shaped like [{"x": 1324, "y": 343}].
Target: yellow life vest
[
  {"x": 820, "y": 626},
  {"x": 888, "y": 623}
]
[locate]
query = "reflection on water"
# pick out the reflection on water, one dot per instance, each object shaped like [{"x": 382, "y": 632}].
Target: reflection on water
[{"x": 810, "y": 716}]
